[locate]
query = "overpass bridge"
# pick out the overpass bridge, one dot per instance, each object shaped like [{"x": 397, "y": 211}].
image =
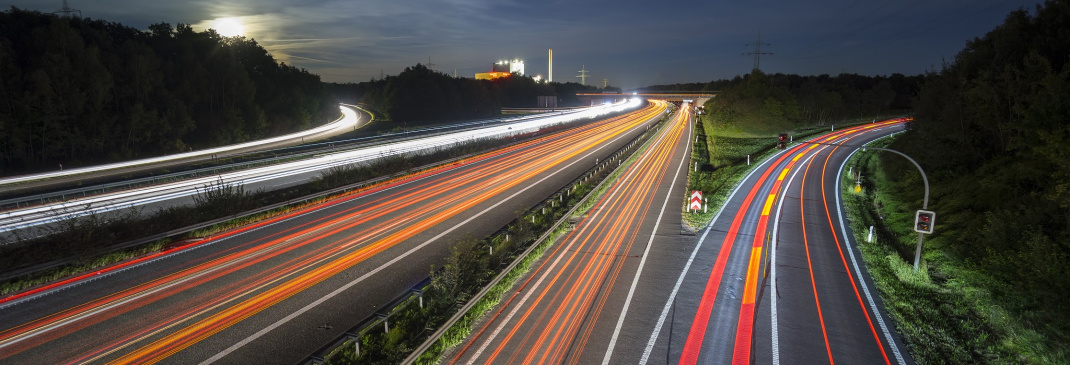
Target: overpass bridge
[{"x": 677, "y": 97}]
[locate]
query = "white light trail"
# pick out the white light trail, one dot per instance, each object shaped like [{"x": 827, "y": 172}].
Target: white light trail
[
  {"x": 47, "y": 213},
  {"x": 348, "y": 120}
]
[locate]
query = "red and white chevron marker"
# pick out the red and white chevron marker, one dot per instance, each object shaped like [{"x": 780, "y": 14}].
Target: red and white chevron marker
[{"x": 696, "y": 201}]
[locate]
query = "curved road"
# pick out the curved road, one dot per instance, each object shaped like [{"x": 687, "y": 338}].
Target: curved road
[
  {"x": 346, "y": 123},
  {"x": 27, "y": 220},
  {"x": 577, "y": 303},
  {"x": 777, "y": 276},
  {"x": 276, "y": 291}
]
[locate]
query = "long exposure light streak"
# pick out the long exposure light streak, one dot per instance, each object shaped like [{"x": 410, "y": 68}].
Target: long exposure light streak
[
  {"x": 43, "y": 214},
  {"x": 759, "y": 208},
  {"x": 567, "y": 293},
  {"x": 358, "y": 227},
  {"x": 347, "y": 121}
]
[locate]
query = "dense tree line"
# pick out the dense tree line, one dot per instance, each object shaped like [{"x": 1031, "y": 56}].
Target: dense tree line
[
  {"x": 993, "y": 134},
  {"x": 77, "y": 91},
  {"x": 422, "y": 95},
  {"x": 715, "y": 85},
  {"x": 759, "y": 104}
]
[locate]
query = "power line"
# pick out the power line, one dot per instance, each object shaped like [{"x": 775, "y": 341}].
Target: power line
[
  {"x": 757, "y": 53},
  {"x": 583, "y": 75},
  {"x": 66, "y": 11}
]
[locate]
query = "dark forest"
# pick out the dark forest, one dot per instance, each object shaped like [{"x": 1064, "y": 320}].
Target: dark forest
[
  {"x": 77, "y": 91},
  {"x": 421, "y": 95}
]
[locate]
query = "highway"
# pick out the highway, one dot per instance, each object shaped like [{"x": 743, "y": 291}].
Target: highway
[
  {"x": 587, "y": 298},
  {"x": 273, "y": 292},
  {"x": 776, "y": 277},
  {"x": 347, "y": 122},
  {"x": 26, "y": 219}
]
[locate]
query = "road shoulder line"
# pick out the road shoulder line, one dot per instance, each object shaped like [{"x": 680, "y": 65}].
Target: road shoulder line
[
  {"x": 847, "y": 241},
  {"x": 646, "y": 251},
  {"x": 683, "y": 273}
]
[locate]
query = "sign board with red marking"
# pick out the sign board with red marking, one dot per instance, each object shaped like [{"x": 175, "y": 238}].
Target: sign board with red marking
[
  {"x": 696, "y": 200},
  {"x": 924, "y": 221}
]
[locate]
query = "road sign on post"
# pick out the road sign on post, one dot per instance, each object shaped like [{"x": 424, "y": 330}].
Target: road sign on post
[
  {"x": 696, "y": 201},
  {"x": 923, "y": 221}
]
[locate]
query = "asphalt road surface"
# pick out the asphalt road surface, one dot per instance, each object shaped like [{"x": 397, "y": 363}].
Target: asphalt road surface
[
  {"x": 776, "y": 277},
  {"x": 33, "y": 221},
  {"x": 589, "y": 301},
  {"x": 273, "y": 292},
  {"x": 351, "y": 119}
]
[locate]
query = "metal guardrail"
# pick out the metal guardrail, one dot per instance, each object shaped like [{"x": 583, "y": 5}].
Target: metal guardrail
[
  {"x": 299, "y": 200},
  {"x": 380, "y": 317},
  {"x": 490, "y": 286},
  {"x": 354, "y": 334},
  {"x": 179, "y": 231},
  {"x": 310, "y": 150}
]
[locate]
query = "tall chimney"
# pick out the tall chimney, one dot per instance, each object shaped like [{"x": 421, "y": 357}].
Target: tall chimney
[{"x": 551, "y": 72}]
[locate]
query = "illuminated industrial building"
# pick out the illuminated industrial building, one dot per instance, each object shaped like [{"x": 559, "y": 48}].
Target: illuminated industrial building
[{"x": 502, "y": 69}]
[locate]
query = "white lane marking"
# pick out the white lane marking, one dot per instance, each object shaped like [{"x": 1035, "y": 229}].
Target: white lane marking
[
  {"x": 43, "y": 214},
  {"x": 772, "y": 267},
  {"x": 106, "y": 307},
  {"x": 508, "y": 318},
  {"x": 847, "y": 240},
  {"x": 356, "y": 281},
  {"x": 646, "y": 252},
  {"x": 185, "y": 250},
  {"x": 683, "y": 273}
]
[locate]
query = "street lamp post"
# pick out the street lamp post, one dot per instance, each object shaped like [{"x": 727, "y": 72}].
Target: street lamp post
[{"x": 924, "y": 203}]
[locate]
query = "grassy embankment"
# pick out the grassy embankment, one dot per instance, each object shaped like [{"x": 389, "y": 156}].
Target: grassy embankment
[
  {"x": 942, "y": 310},
  {"x": 721, "y": 157}
]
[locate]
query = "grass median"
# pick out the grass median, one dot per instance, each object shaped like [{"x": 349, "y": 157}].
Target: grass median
[
  {"x": 719, "y": 160},
  {"x": 470, "y": 268},
  {"x": 92, "y": 242}
]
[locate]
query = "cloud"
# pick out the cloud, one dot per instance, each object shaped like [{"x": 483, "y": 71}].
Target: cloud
[{"x": 626, "y": 41}]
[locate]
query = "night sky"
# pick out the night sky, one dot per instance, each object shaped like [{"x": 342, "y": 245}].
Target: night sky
[{"x": 631, "y": 43}]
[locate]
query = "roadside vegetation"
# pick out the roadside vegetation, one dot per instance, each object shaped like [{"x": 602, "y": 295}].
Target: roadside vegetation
[
  {"x": 991, "y": 132},
  {"x": 944, "y": 311},
  {"x": 94, "y": 241},
  {"x": 744, "y": 119},
  {"x": 420, "y": 95},
  {"x": 941, "y": 320},
  {"x": 78, "y": 91},
  {"x": 471, "y": 266}
]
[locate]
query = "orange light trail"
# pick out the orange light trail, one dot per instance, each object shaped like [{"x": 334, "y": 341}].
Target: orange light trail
[
  {"x": 431, "y": 197},
  {"x": 194, "y": 333},
  {"x": 591, "y": 258},
  {"x": 745, "y": 319}
]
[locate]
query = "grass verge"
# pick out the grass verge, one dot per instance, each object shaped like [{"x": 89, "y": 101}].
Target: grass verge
[
  {"x": 719, "y": 162},
  {"x": 942, "y": 311},
  {"x": 93, "y": 242},
  {"x": 471, "y": 267}
]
